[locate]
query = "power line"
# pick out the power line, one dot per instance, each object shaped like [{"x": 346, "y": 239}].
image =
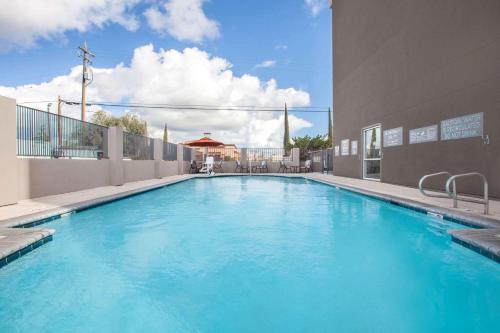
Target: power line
[
  {"x": 207, "y": 105},
  {"x": 197, "y": 108},
  {"x": 36, "y": 102},
  {"x": 211, "y": 107},
  {"x": 194, "y": 107}
]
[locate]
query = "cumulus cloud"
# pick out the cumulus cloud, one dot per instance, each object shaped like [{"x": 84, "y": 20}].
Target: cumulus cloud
[
  {"x": 183, "y": 20},
  {"x": 22, "y": 23},
  {"x": 173, "y": 77},
  {"x": 266, "y": 64},
  {"x": 316, "y": 6}
]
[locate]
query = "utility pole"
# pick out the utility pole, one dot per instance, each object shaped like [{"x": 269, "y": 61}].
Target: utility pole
[{"x": 86, "y": 78}]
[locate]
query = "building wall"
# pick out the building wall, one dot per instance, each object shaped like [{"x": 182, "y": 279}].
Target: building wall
[{"x": 414, "y": 63}]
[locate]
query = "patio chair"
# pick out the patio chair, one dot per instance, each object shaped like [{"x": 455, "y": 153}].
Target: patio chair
[
  {"x": 261, "y": 167},
  {"x": 325, "y": 166},
  {"x": 283, "y": 167},
  {"x": 194, "y": 167},
  {"x": 218, "y": 166},
  {"x": 306, "y": 167},
  {"x": 208, "y": 166},
  {"x": 240, "y": 167}
]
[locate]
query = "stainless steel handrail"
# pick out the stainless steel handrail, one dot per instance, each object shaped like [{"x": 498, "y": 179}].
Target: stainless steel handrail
[
  {"x": 421, "y": 184},
  {"x": 453, "y": 193}
]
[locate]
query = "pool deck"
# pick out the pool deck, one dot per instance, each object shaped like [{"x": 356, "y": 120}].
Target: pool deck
[{"x": 30, "y": 213}]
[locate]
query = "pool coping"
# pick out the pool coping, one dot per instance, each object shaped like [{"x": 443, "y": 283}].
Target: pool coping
[
  {"x": 483, "y": 241},
  {"x": 469, "y": 220},
  {"x": 25, "y": 242}
]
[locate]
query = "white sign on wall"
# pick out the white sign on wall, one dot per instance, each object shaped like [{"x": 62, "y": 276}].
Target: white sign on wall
[
  {"x": 468, "y": 126},
  {"x": 393, "y": 137},
  {"x": 344, "y": 144},
  {"x": 354, "y": 147},
  {"x": 424, "y": 134},
  {"x": 337, "y": 150}
]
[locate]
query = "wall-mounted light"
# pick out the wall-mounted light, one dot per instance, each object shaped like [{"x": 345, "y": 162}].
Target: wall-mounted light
[{"x": 486, "y": 139}]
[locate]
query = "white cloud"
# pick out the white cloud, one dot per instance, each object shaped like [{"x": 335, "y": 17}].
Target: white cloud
[
  {"x": 178, "y": 78},
  {"x": 266, "y": 64},
  {"x": 22, "y": 23},
  {"x": 282, "y": 47},
  {"x": 316, "y": 6},
  {"x": 183, "y": 20}
]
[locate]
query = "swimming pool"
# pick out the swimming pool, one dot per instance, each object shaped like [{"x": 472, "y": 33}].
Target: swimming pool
[{"x": 250, "y": 254}]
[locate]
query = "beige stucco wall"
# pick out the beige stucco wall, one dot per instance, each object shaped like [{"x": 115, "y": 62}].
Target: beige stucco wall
[
  {"x": 37, "y": 177},
  {"x": 8, "y": 170},
  {"x": 138, "y": 170},
  {"x": 168, "y": 168}
]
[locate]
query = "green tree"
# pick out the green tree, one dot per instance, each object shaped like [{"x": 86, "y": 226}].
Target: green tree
[
  {"x": 286, "y": 136},
  {"x": 165, "y": 133},
  {"x": 330, "y": 129},
  {"x": 129, "y": 122},
  {"x": 307, "y": 143}
]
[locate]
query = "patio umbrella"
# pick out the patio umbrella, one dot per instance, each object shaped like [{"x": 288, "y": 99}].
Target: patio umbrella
[{"x": 204, "y": 142}]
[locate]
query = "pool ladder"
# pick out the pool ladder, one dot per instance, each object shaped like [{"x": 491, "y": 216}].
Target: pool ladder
[{"x": 451, "y": 189}]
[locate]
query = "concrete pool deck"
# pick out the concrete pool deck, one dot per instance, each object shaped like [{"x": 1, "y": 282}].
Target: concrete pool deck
[{"x": 29, "y": 213}]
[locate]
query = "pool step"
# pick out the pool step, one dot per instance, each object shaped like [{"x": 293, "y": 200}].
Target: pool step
[{"x": 16, "y": 242}]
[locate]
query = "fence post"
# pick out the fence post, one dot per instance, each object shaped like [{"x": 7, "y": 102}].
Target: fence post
[
  {"x": 8, "y": 142},
  {"x": 180, "y": 159},
  {"x": 296, "y": 157},
  {"x": 115, "y": 155},
  {"x": 158, "y": 156}
]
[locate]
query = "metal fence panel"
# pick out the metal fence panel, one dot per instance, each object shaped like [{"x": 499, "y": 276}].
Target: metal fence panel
[
  {"x": 137, "y": 147},
  {"x": 40, "y": 133},
  {"x": 321, "y": 160},
  {"x": 187, "y": 154},
  {"x": 269, "y": 154},
  {"x": 169, "y": 151}
]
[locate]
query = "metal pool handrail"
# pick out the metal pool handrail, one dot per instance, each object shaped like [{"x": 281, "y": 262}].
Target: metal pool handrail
[
  {"x": 453, "y": 193},
  {"x": 421, "y": 184}
]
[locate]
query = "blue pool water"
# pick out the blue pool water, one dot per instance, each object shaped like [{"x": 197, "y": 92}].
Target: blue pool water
[{"x": 250, "y": 254}]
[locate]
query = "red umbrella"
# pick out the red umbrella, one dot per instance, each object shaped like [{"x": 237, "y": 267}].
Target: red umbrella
[{"x": 204, "y": 142}]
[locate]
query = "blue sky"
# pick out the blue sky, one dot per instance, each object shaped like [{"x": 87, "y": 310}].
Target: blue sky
[{"x": 291, "y": 39}]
